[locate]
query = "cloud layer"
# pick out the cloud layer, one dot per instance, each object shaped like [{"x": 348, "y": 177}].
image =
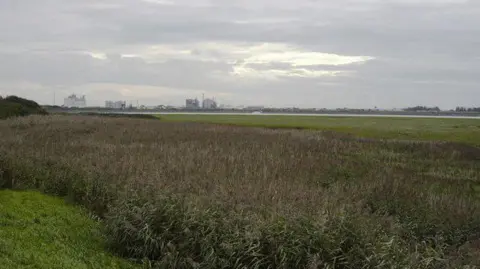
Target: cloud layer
[{"x": 342, "y": 53}]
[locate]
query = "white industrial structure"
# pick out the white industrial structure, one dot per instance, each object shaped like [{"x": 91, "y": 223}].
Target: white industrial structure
[
  {"x": 192, "y": 103},
  {"x": 116, "y": 105},
  {"x": 74, "y": 101},
  {"x": 209, "y": 104}
]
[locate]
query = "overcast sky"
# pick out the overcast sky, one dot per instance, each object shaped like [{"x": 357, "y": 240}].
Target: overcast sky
[{"x": 304, "y": 53}]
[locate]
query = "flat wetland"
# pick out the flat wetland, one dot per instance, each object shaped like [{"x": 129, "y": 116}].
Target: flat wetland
[
  {"x": 464, "y": 130},
  {"x": 197, "y": 191}
]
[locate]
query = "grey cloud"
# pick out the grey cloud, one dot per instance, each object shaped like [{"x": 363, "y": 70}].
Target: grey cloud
[
  {"x": 424, "y": 51},
  {"x": 76, "y": 69}
]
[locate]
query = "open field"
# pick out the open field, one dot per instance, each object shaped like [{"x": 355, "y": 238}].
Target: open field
[
  {"x": 37, "y": 231},
  {"x": 455, "y": 130},
  {"x": 192, "y": 195}
]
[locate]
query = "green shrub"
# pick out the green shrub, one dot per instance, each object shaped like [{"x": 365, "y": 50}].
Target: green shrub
[{"x": 13, "y": 106}]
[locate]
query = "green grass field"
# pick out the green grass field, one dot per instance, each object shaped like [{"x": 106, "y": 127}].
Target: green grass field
[
  {"x": 37, "y": 231},
  {"x": 453, "y": 130}
]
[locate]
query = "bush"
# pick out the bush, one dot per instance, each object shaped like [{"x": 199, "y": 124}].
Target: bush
[{"x": 13, "y": 106}]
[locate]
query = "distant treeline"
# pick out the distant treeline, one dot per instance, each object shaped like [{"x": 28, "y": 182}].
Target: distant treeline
[
  {"x": 423, "y": 108},
  {"x": 467, "y": 109},
  {"x": 437, "y": 109}
]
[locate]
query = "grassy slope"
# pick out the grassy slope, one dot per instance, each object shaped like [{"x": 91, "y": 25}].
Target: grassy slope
[
  {"x": 37, "y": 231},
  {"x": 454, "y": 130}
]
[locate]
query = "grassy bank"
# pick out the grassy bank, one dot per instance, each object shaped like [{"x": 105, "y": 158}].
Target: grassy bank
[
  {"x": 454, "y": 130},
  {"x": 190, "y": 195},
  {"x": 42, "y": 232}
]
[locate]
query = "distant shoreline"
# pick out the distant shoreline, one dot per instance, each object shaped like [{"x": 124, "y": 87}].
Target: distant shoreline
[{"x": 401, "y": 114}]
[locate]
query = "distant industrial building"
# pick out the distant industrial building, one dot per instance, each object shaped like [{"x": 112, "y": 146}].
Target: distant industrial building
[
  {"x": 75, "y": 101},
  {"x": 192, "y": 103},
  {"x": 209, "y": 104},
  {"x": 116, "y": 104}
]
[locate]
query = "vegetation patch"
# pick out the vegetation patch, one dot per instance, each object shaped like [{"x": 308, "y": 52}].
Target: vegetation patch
[
  {"x": 37, "y": 231},
  {"x": 465, "y": 131},
  {"x": 191, "y": 195},
  {"x": 13, "y": 106},
  {"x": 120, "y": 115}
]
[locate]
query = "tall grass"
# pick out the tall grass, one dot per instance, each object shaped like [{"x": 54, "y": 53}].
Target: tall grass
[{"x": 188, "y": 195}]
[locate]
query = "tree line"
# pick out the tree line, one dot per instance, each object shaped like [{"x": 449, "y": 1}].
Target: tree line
[
  {"x": 437, "y": 109},
  {"x": 467, "y": 109}
]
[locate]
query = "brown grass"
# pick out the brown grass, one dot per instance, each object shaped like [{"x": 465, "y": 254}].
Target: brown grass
[{"x": 188, "y": 195}]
